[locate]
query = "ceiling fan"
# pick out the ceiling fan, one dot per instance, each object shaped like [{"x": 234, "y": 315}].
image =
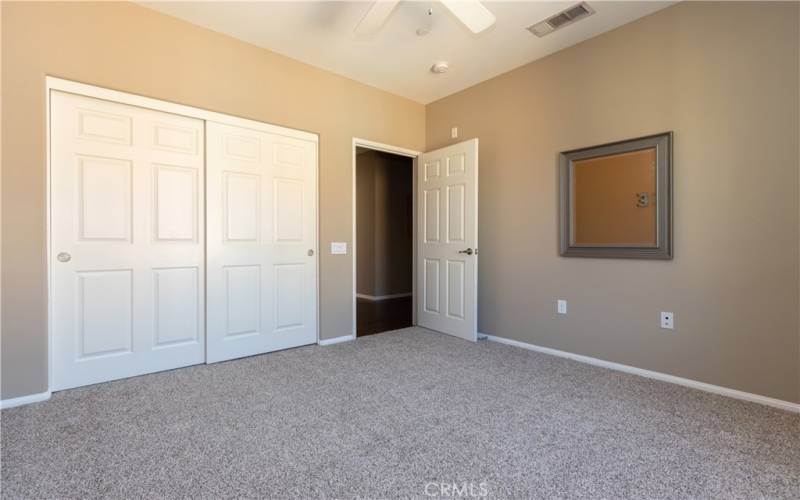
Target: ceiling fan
[{"x": 472, "y": 13}]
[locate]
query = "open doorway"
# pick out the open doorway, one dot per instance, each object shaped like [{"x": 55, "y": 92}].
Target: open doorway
[{"x": 384, "y": 219}]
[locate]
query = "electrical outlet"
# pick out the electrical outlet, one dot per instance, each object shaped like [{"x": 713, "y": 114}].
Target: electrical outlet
[
  {"x": 561, "y": 306},
  {"x": 667, "y": 320},
  {"x": 454, "y": 133}
]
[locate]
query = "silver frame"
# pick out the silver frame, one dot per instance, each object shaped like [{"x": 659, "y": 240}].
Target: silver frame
[{"x": 663, "y": 249}]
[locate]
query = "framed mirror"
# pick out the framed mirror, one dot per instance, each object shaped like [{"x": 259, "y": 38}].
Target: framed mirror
[{"x": 616, "y": 199}]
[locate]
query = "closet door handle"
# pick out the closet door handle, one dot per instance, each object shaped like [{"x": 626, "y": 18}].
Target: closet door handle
[{"x": 468, "y": 251}]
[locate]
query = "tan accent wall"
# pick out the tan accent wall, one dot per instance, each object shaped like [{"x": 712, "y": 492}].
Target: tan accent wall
[
  {"x": 384, "y": 218},
  {"x": 130, "y": 48},
  {"x": 724, "y": 77}
]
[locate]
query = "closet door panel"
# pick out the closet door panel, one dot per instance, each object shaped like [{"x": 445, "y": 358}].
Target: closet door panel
[
  {"x": 262, "y": 266},
  {"x": 127, "y": 226}
]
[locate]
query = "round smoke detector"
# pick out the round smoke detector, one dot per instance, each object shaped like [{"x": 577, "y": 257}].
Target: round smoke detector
[{"x": 440, "y": 67}]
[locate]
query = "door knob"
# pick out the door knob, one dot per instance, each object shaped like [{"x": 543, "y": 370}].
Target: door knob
[
  {"x": 64, "y": 257},
  {"x": 310, "y": 253},
  {"x": 468, "y": 251}
]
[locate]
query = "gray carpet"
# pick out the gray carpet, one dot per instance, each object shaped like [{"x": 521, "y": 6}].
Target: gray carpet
[{"x": 398, "y": 415}]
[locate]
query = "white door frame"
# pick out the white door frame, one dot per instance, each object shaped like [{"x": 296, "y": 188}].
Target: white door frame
[
  {"x": 55, "y": 83},
  {"x": 414, "y": 155}
]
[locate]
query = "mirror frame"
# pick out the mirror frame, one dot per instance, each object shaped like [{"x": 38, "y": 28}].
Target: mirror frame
[{"x": 663, "y": 250}]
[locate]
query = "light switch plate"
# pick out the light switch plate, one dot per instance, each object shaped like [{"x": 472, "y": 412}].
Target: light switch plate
[
  {"x": 561, "y": 306},
  {"x": 338, "y": 247},
  {"x": 454, "y": 133},
  {"x": 667, "y": 320}
]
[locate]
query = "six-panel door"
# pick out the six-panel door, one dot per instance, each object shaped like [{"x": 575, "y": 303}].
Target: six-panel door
[
  {"x": 447, "y": 265},
  {"x": 262, "y": 269},
  {"x": 127, "y": 268}
]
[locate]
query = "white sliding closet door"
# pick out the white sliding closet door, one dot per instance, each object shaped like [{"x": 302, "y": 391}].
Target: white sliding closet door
[
  {"x": 262, "y": 225},
  {"x": 127, "y": 239}
]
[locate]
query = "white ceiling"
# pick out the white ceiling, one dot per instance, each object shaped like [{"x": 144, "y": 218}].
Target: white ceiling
[{"x": 396, "y": 59}]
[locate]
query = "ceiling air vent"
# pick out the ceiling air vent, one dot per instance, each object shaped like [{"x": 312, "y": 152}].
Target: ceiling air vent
[{"x": 563, "y": 18}]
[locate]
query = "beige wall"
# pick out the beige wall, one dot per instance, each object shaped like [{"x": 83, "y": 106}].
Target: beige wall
[
  {"x": 724, "y": 77},
  {"x": 133, "y": 49},
  {"x": 385, "y": 251}
]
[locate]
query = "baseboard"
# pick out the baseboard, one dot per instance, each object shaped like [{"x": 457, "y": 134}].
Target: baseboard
[
  {"x": 694, "y": 384},
  {"x": 337, "y": 340},
  {"x": 376, "y": 298},
  {"x": 24, "y": 400}
]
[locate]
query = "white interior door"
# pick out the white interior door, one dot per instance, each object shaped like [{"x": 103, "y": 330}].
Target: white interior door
[
  {"x": 447, "y": 239},
  {"x": 127, "y": 241},
  {"x": 262, "y": 226}
]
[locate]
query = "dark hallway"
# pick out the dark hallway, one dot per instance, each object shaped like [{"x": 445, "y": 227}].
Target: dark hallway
[{"x": 384, "y": 232}]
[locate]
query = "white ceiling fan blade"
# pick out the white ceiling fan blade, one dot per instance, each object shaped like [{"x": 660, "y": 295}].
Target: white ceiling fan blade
[
  {"x": 375, "y": 17},
  {"x": 472, "y": 13}
]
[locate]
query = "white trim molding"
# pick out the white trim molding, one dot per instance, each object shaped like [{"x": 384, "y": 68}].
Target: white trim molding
[
  {"x": 694, "y": 384},
  {"x": 386, "y": 148},
  {"x": 378, "y": 298},
  {"x": 337, "y": 340},
  {"x": 25, "y": 400}
]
